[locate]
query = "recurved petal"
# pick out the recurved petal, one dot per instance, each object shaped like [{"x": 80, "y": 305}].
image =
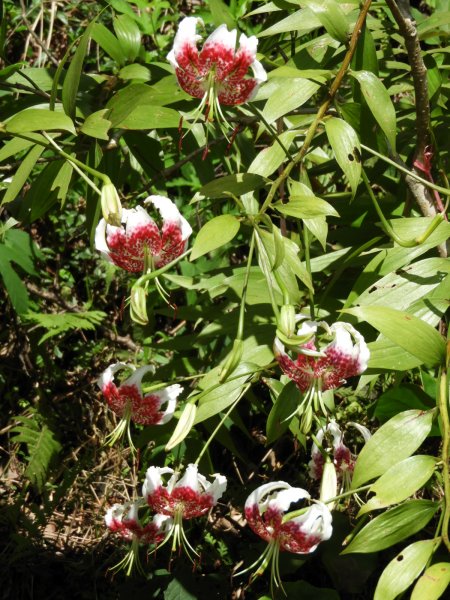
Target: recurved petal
[
  {"x": 137, "y": 376},
  {"x": 190, "y": 479},
  {"x": 221, "y": 36},
  {"x": 264, "y": 493},
  {"x": 217, "y": 487},
  {"x": 100, "y": 239},
  {"x": 153, "y": 480},
  {"x": 170, "y": 214},
  {"x": 186, "y": 34},
  {"x": 108, "y": 374},
  {"x": 283, "y": 499},
  {"x": 316, "y": 521},
  {"x": 168, "y": 396}
]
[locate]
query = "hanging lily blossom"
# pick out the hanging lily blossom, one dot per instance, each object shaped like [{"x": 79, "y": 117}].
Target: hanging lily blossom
[
  {"x": 316, "y": 370},
  {"x": 186, "y": 498},
  {"x": 218, "y": 73},
  {"x": 299, "y": 532},
  {"x": 130, "y": 403},
  {"x": 343, "y": 459},
  {"x": 140, "y": 244},
  {"x": 123, "y": 519}
]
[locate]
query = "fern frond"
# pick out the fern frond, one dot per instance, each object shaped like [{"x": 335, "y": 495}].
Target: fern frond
[
  {"x": 57, "y": 323},
  {"x": 42, "y": 448}
]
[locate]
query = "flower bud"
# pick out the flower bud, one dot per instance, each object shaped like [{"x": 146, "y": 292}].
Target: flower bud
[
  {"x": 328, "y": 484},
  {"x": 232, "y": 360},
  {"x": 306, "y": 420},
  {"x": 138, "y": 305},
  {"x": 287, "y": 320},
  {"x": 183, "y": 427},
  {"x": 111, "y": 206}
]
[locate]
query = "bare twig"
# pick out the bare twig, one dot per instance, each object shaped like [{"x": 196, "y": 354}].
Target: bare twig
[{"x": 34, "y": 35}]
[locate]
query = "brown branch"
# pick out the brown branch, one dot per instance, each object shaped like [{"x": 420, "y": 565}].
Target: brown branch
[{"x": 428, "y": 202}]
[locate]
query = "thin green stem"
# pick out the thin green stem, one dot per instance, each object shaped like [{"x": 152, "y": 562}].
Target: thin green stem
[
  {"x": 221, "y": 422},
  {"x": 443, "y": 409},
  {"x": 149, "y": 276},
  {"x": 75, "y": 161},
  {"x": 388, "y": 228},
  {"x": 323, "y": 108},
  {"x": 405, "y": 170},
  {"x": 306, "y": 245},
  {"x": 240, "y": 330}
]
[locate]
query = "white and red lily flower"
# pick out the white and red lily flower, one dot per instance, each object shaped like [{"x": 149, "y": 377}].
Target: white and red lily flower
[
  {"x": 320, "y": 367},
  {"x": 218, "y": 73},
  {"x": 186, "y": 498},
  {"x": 343, "y": 459},
  {"x": 300, "y": 533},
  {"x": 155, "y": 408},
  {"x": 140, "y": 243},
  {"x": 123, "y": 519},
  {"x": 345, "y": 356}
]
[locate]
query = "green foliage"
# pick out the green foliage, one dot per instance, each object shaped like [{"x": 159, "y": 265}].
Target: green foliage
[
  {"x": 43, "y": 447},
  {"x": 58, "y": 323}
]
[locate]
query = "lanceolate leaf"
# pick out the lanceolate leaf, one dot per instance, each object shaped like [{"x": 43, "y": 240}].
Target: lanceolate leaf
[
  {"x": 433, "y": 582},
  {"x": 129, "y": 36},
  {"x": 404, "y": 569},
  {"x": 394, "y": 441},
  {"x": 37, "y": 119},
  {"x": 292, "y": 93},
  {"x": 410, "y": 333},
  {"x": 332, "y": 17},
  {"x": 346, "y": 148},
  {"x": 214, "y": 234},
  {"x": 379, "y": 102},
  {"x": 393, "y": 526},
  {"x": 306, "y": 207},
  {"x": 399, "y": 482},
  {"x": 72, "y": 79}
]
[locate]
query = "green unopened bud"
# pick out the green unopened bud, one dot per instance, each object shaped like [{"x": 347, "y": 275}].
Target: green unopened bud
[
  {"x": 138, "y": 305},
  {"x": 306, "y": 420},
  {"x": 232, "y": 360},
  {"x": 294, "y": 341},
  {"x": 328, "y": 484},
  {"x": 183, "y": 427},
  {"x": 286, "y": 322},
  {"x": 111, "y": 206}
]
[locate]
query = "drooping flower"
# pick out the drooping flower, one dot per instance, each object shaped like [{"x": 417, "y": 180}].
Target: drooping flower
[
  {"x": 140, "y": 243},
  {"x": 343, "y": 459},
  {"x": 130, "y": 403},
  {"x": 299, "y": 532},
  {"x": 123, "y": 519},
  {"x": 218, "y": 73},
  {"x": 316, "y": 370},
  {"x": 186, "y": 498}
]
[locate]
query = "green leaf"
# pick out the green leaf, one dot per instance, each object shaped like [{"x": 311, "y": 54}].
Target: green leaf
[
  {"x": 305, "y": 207},
  {"x": 129, "y": 36},
  {"x": 346, "y": 148},
  {"x": 221, "y": 14},
  {"x": 73, "y": 75},
  {"x": 394, "y": 441},
  {"x": 399, "y": 482},
  {"x": 237, "y": 185},
  {"x": 404, "y": 569},
  {"x": 135, "y": 71},
  {"x": 393, "y": 526},
  {"x": 16, "y": 145},
  {"x": 379, "y": 102},
  {"x": 285, "y": 406},
  {"x": 97, "y": 125},
  {"x": 176, "y": 591},
  {"x": 410, "y": 333},
  {"x": 14, "y": 285},
  {"x": 303, "y": 21},
  {"x": 215, "y": 233},
  {"x": 433, "y": 582},
  {"x": 220, "y": 396},
  {"x": 38, "y": 119},
  {"x": 43, "y": 447},
  {"x": 400, "y": 398},
  {"x": 331, "y": 16},
  {"x": 22, "y": 173},
  {"x": 269, "y": 159},
  {"x": 150, "y": 117},
  {"x": 290, "y": 94},
  {"x": 108, "y": 41},
  {"x": 57, "y": 323}
]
